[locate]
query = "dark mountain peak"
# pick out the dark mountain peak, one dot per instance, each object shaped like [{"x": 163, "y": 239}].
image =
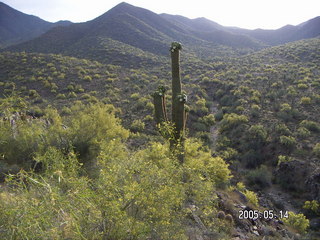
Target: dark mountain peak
[
  {"x": 197, "y": 24},
  {"x": 63, "y": 23},
  {"x": 122, "y": 7},
  {"x": 313, "y": 21},
  {"x": 17, "y": 27},
  {"x": 3, "y": 5}
]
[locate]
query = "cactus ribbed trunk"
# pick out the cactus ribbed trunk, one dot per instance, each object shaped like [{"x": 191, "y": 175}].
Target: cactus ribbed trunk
[
  {"x": 177, "y": 106},
  {"x": 160, "y": 108},
  {"x": 178, "y": 112}
]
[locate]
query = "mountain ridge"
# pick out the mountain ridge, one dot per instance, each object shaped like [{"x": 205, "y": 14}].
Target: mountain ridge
[
  {"x": 17, "y": 27},
  {"x": 150, "y": 32}
]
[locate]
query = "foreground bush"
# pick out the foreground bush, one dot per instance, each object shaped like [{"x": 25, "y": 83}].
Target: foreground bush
[
  {"x": 297, "y": 221},
  {"x": 92, "y": 187}
]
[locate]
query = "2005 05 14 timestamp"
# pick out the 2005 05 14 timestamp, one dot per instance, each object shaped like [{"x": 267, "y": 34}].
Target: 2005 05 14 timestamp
[{"x": 266, "y": 214}]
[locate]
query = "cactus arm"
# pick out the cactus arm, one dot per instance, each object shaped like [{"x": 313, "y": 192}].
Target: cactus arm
[{"x": 159, "y": 108}]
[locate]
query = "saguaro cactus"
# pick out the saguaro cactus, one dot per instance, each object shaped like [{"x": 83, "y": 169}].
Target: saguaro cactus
[{"x": 178, "y": 104}]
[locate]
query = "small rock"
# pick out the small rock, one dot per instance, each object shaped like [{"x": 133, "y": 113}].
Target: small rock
[
  {"x": 242, "y": 197},
  {"x": 256, "y": 233},
  {"x": 280, "y": 222}
]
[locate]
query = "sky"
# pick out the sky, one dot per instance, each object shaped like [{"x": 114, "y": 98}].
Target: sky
[{"x": 249, "y": 14}]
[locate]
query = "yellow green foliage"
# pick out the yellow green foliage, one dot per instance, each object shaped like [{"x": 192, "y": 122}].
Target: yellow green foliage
[
  {"x": 199, "y": 159},
  {"x": 252, "y": 197},
  {"x": 297, "y": 221},
  {"x": 129, "y": 195},
  {"x": 312, "y": 205},
  {"x": 316, "y": 149}
]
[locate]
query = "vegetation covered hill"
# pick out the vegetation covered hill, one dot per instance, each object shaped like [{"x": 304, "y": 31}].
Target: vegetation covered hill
[
  {"x": 82, "y": 156},
  {"x": 288, "y": 33},
  {"x": 17, "y": 27},
  {"x": 142, "y": 35},
  {"x": 264, "y": 105}
]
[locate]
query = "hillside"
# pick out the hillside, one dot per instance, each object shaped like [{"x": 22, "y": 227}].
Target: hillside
[
  {"x": 264, "y": 104},
  {"x": 82, "y": 158},
  {"x": 143, "y": 36},
  {"x": 17, "y": 27}
]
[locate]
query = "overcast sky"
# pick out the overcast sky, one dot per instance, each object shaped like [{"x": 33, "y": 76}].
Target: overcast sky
[{"x": 250, "y": 14}]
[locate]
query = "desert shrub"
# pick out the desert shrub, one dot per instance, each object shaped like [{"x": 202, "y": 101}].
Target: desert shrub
[
  {"x": 312, "y": 206},
  {"x": 33, "y": 93},
  {"x": 252, "y": 158},
  {"x": 232, "y": 120},
  {"x": 90, "y": 125},
  {"x": 200, "y": 106},
  {"x": 316, "y": 150},
  {"x": 310, "y": 125},
  {"x": 255, "y": 110},
  {"x": 288, "y": 142},
  {"x": 65, "y": 110},
  {"x": 282, "y": 129},
  {"x": 303, "y": 132},
  {"x": 218, "y": 116},
  {"x": 258, "y": 133},
  {"x": 259, "y": 178},
  {"x": 305, "y": 101},
  {"x": 285, "y": 107},
  {"x": 19, "y": 142},
  {"x": 208, "y": 120},
  {"x": 72, "y": 95},
  {"x": 87, "y": 78},
  {"x": 302, "y": 86},
  {"x": 199, "y": 158},
  {"x": 283, "y": 159},
  {"x": 135, "y": 195},
  {"x": 297, "y": 221},
  {"x": 252, "y": 197},
  {"x": 135, "y": 96},
  {"x": 70, "y": 87},
  {"x": 137, "y": 126},
  {"x": 61, "y": 96}
]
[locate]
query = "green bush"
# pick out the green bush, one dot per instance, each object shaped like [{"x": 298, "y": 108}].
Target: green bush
[
  {"x": 138, "y": 195},
  {"x": 283, "y": 159},
  {"x": 297, "y": 221},
  {"x": 316, "y": 150},
  {"x": 61, "y": 96},
  {"x": 288, "y": 141},
  {"x": 310, "y": 125},
  {"x": 208, "y": 120},
  {"x": 305, "y": 101},
  {"x": 232, "y": 120},
  {"x": 259, "y": 178},
  {"x": 87, "y": 78},
  {"x": 252, "y": 197},
  {"x": 137, "y": 126},
  {"x": 312, "y": 205}
]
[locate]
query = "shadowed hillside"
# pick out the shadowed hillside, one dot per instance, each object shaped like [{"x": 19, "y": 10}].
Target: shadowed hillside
[{"x": 17, "y": 27}]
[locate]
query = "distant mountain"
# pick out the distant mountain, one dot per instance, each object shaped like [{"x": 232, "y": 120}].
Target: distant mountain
[
  {"x": 141, "y": 30},
  {"x": 17, "y": 27},
  {"x": 131, "y": 33},
  {"x": 288, "y": 33}
]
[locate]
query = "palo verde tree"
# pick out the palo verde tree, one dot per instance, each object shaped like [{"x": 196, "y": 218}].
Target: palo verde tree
[{"x": 179, "y": 113}]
